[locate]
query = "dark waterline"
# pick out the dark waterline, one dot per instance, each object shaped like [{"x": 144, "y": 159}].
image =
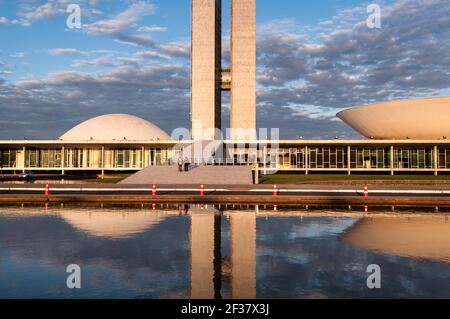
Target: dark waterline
[{"x": 223, "y": 252}]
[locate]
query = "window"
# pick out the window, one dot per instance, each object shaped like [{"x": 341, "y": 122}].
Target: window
[{"x": 7, "y": 158}]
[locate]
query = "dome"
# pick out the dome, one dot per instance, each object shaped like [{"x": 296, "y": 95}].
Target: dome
[
  {"x": 115, "y": 127},
  {"x": 420, "y": 119}
]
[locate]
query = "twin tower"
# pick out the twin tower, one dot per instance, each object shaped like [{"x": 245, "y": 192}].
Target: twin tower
[{"x": 210, "y": 78}]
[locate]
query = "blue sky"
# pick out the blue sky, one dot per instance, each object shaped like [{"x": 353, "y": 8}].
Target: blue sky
[
  {"x": 315, "y": 58},
  {"x": 174, "y": 16}
]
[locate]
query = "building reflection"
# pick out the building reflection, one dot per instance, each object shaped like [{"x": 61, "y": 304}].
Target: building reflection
[
  {"x": 205, "y": 254},
  {"x": 125, "y": 223},
  {"x": 211, "y": 253},
  {"x": 112, "y": 223},
  {"x": 243, "y": 255},
  {"x": 209, "y": 268},
  {"x": 422, "y": 236}
]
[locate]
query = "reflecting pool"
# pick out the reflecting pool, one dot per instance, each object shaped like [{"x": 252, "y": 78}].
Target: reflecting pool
[{"x": 164, "y": 251}]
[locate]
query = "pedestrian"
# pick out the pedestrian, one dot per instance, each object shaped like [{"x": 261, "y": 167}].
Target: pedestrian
[
  {"x": 187, "y": 164},
  {"x": 180, "y": 164}
]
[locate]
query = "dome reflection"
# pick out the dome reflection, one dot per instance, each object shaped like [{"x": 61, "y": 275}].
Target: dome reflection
[
  {"x": 425, "y": 237},
  {"x": 112, "y": 224}
]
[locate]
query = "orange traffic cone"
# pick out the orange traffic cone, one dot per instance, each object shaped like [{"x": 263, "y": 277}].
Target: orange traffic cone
[{"x": 275, "y": 191}]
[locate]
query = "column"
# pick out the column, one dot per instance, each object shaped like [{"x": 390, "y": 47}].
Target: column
[
  {"x": 103, "y": 162},
  {"x": 256, "y": 165},
  {"x": 306, "y": 160},
  {"x": 24, "y": 160},
  {"x": 63, "y": 160},
  {"x": 349, "y": 159},
  {"x": 436, "y": 162},
  {"x": 392, "y": 160},
  {"x": 265, "y": 159}
]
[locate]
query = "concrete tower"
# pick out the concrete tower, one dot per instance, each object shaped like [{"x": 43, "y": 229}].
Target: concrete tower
[
  {"x": 243, "y": 69},
  {"x": 209, "y": 79},
  {"x": 206, "y": 55},
  {"x": 206, "y": 100}
]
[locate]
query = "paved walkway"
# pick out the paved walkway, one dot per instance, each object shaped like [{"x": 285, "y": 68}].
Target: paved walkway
[{"x": 207, "y": 175}]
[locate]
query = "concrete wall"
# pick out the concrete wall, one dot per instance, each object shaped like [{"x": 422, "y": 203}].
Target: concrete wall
[
  {"x": 243, "y": 68},
  {"x": 206, "y": 66}
]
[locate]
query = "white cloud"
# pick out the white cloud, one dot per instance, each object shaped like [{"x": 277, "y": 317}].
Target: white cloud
[
  {"x": 99, "y": 62},
  {"x": 18, "y": 55},
  {"x": 123, "y": 20},
  {"x": 176, "y": 49},
  {"x": 150, "y": 54},
  {"x": 47, "y": 10},
  {"x": 30, "y": 11},
  {"x": 350, "y": 64},
  {"x": 147, "y": 29},
  {"x": 66, "y": 52},
  {"x": 129, "y": 60}
]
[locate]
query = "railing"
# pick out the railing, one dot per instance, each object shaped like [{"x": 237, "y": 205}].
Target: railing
[{"x": 215, "y": 162}]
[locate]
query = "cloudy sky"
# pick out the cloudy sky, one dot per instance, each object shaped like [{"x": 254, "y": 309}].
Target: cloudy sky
[{"x": 314, "y": 59}]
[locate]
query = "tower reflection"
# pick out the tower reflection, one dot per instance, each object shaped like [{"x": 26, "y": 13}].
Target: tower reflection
[
  {"x": 243, "y": 255},
  {"x": 207, "y": 261},
  {"x": 205, "y": 246}
]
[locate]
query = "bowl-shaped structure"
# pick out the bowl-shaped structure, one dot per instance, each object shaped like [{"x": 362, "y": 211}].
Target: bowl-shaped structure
[
  {"x": 115, "y": 127},
  {"x": 421, "y": 119}
]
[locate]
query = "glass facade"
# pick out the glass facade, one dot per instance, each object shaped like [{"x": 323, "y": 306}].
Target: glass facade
[
  {"x": 327, "y": 157},
  {"x": 370, "y": 158},
  {"x": 413, "y": 158},
  {"x": 43, "y": 158},
  {"x": 8, "y": 158},
  {"x": 338, "y": 157},
  {"x": 359, "y": 158},
  {"x": 444, "y": 158}
]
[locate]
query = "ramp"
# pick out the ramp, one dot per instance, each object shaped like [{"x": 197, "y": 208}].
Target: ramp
[
  {"x": 213, "y": 175},
  {"x": 201, "y": 151}
]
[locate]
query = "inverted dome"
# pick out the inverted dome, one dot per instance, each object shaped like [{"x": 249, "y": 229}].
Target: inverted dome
[
  {"x": 115, "y": 127},
  {"x": 421, "y": 119}
]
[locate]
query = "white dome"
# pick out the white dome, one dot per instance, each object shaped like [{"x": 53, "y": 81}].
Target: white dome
[{"x": 115, "y": 127}]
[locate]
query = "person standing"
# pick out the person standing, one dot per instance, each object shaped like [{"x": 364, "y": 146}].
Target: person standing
[
  {"x": 180, "y": 164},
  {"x": 187, "y": 163}
]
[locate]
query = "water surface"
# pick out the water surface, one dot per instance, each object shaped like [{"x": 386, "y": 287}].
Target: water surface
[{"x": 222, "y": 252}]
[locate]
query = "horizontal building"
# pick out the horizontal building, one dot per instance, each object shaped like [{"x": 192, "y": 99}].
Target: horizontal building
[
  {"x": 304, "y": 156},
  {"x": 124, "y": 143}
]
